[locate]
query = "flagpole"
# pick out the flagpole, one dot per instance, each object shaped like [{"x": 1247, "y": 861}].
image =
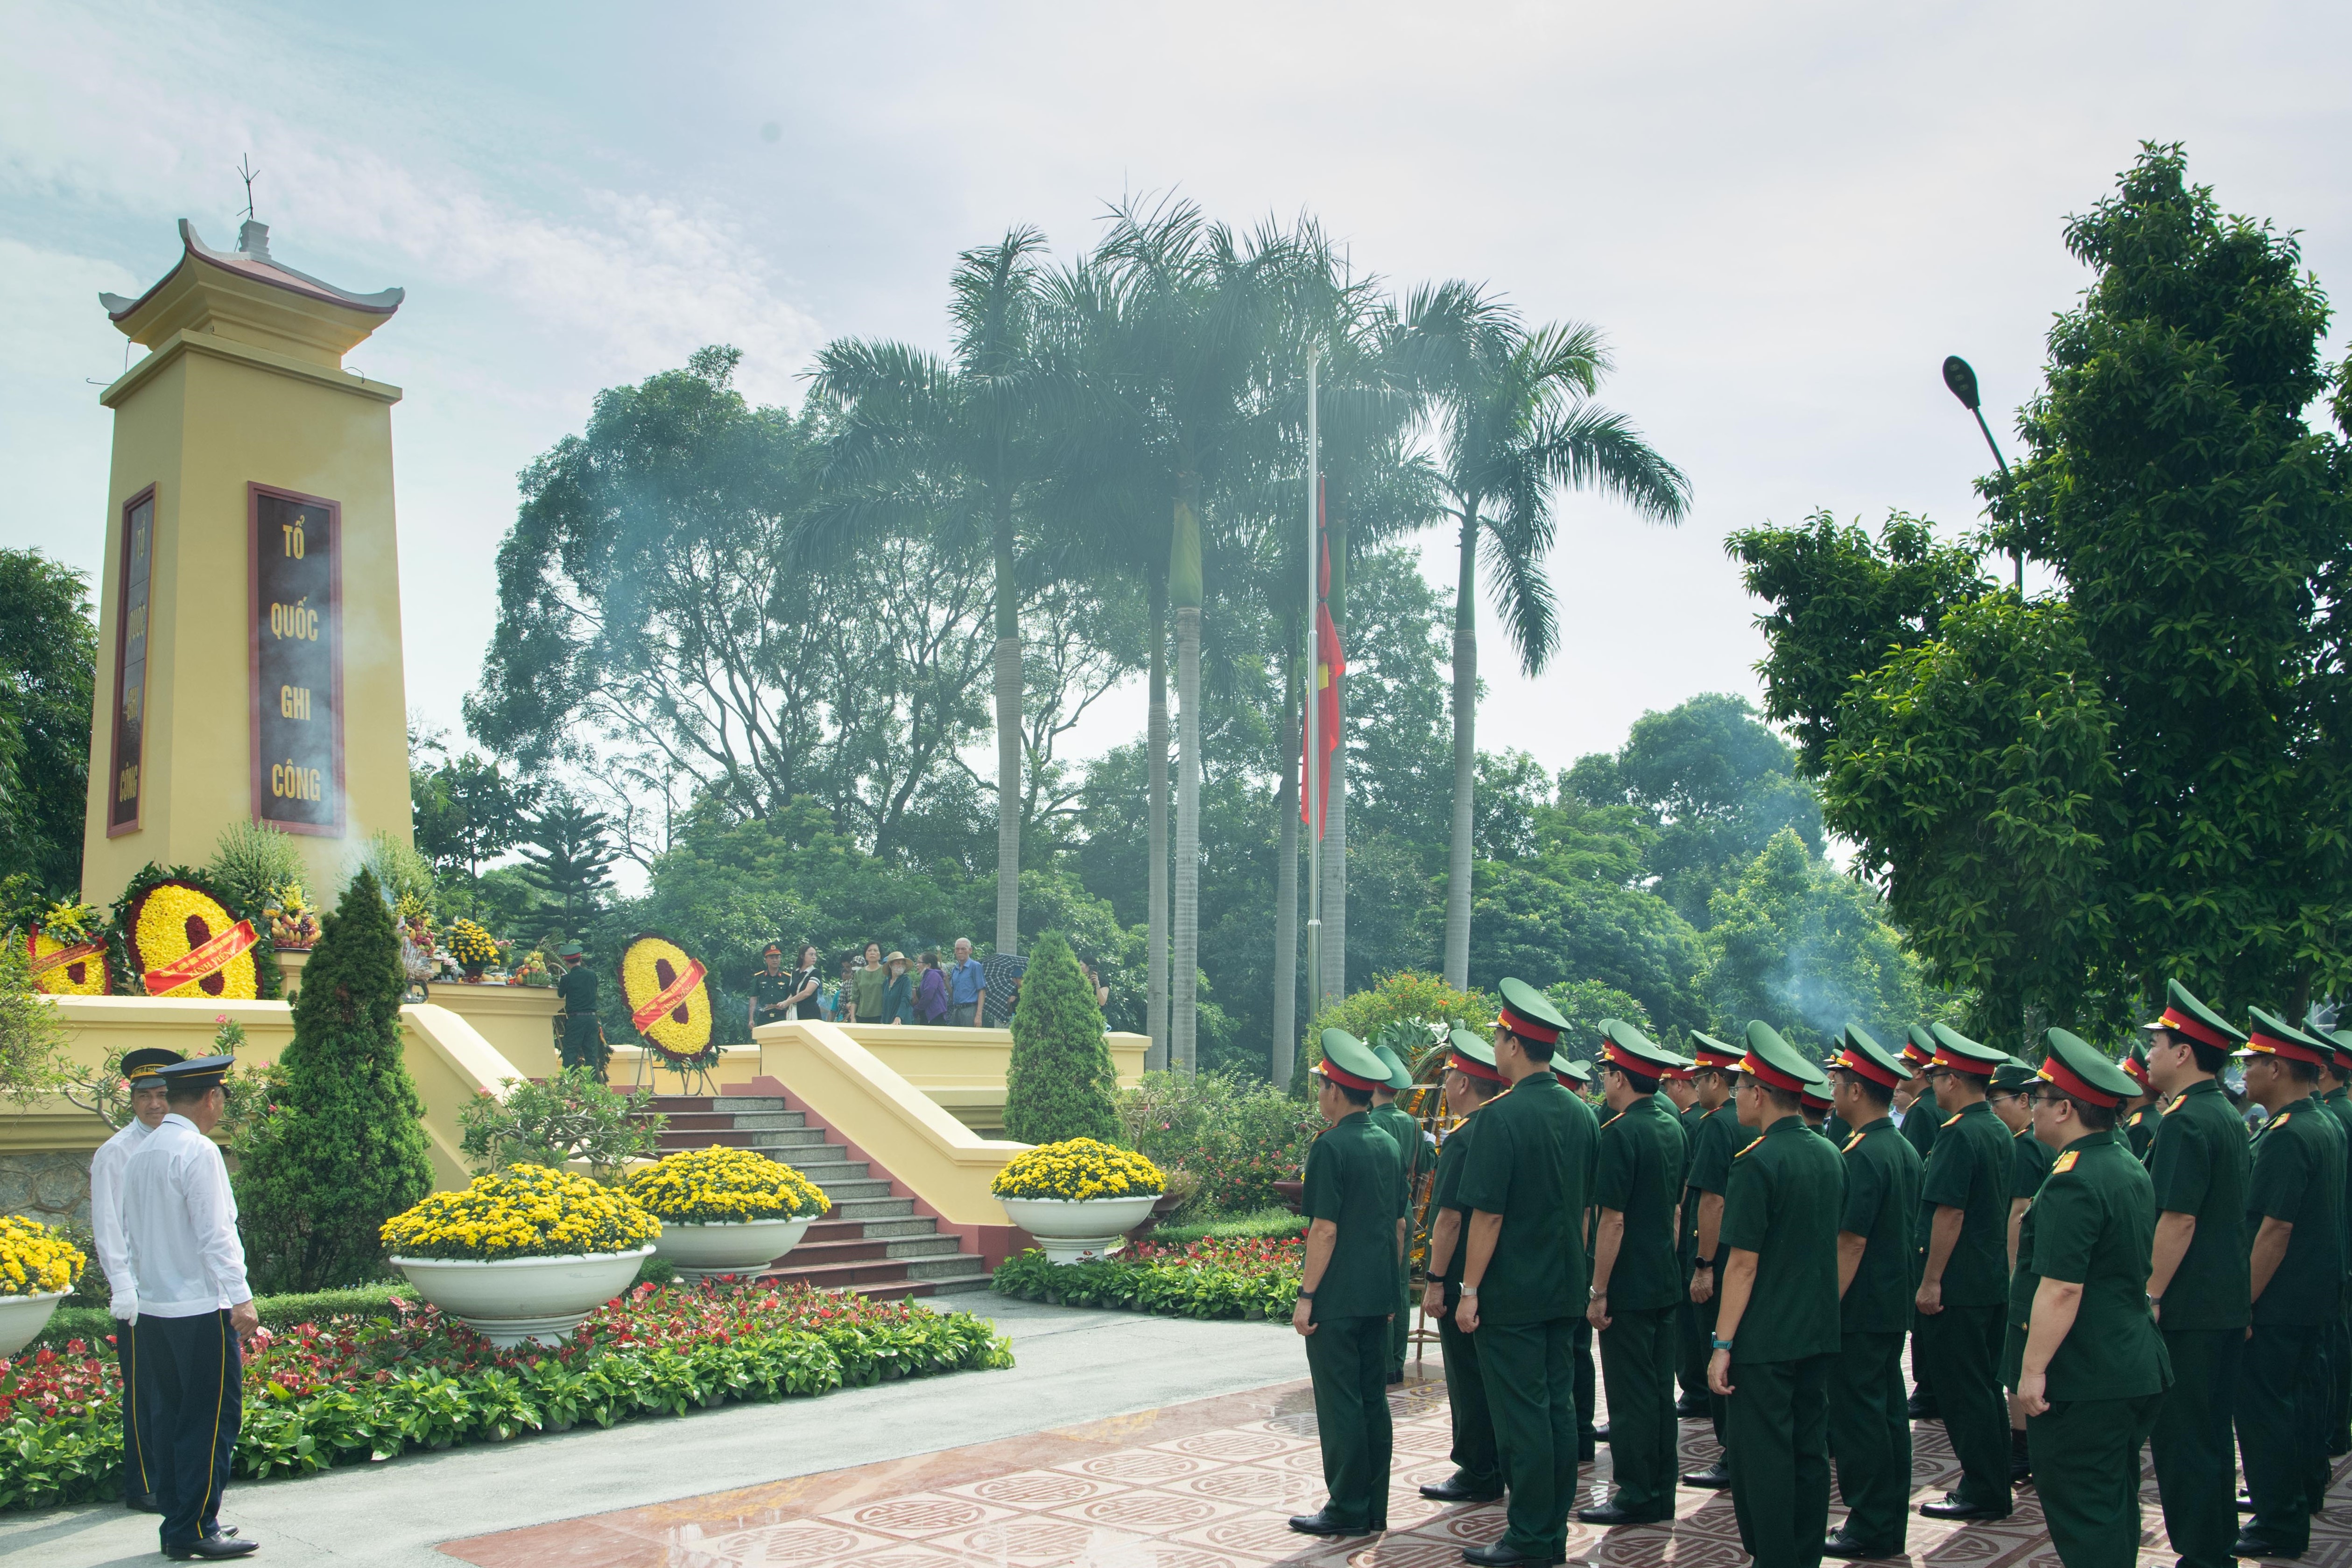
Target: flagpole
[{"x": 1314, "y": 751}]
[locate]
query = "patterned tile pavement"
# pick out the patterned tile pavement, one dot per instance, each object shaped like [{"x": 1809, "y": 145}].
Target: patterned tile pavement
[{"x": 1209, "y": 1485}]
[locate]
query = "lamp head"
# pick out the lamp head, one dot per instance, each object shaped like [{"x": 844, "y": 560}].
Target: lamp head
[{"x": 1962, "y": 381}]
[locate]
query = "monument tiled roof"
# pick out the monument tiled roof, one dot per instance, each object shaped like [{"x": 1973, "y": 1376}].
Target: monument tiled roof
[{"x": 252, "y": 260}]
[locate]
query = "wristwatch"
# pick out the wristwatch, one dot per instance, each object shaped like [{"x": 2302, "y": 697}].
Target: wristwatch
[
  {"x": 1703, "y": 1263},
  {"x": 1468, "y": 1290},
  {"x": 1723, "y": 1344},
  {"x": 1305, "y": 1295}
]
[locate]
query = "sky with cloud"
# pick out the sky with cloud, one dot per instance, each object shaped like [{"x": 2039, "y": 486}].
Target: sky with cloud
[{"x": 1782, "y": 218}]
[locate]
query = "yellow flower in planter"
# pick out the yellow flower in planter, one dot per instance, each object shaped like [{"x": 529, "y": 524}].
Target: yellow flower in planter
[
  {"x": 1077, "y": 1169},
  {"x": 470, "y": 943},
  {"x": 36, "y": 1259},
  {"x": 521, "y": 1211},
  {"x": 719, "y": 1185}
]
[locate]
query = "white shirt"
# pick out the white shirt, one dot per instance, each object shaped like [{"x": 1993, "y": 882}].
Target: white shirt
[
  {"x": 106, "y": 1168},
  {"x": 181, "y": 1222}
]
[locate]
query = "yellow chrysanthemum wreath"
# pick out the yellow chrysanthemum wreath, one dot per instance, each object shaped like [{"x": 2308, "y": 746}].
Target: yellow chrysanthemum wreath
[
  {"x": 714, "y": 1185},
  {"x": 35, "y": 1260},
  {"x": 470, "y": 943},
  {"x": 521, "y": 1211},
  {"x": 1075, "y": 1169},
  {"x": 172, "y": 921},
  {"x": 649, "y": 966}
]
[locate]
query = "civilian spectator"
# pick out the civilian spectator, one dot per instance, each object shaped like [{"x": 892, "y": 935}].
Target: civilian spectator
[
  {"x": 1102, "y": 992},
  {"x": 967, "y": 987},
  {"x": 898, "y": 991},
  {"x": 1000, "y": 977},
  {"x": 808, "y": 979},
  {"x": 843, "y": 995},
  {"x": 931, "y": 991},
  {"x": 870, "y": 983}
]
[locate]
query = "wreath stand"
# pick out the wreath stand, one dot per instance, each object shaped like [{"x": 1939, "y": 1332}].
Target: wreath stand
[{"x": 693, "y": 1071}]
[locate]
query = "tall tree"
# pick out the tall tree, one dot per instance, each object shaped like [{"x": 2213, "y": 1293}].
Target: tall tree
[
  {"x": 467, "y": 811},
  {"x": 568, "y": 856},
  {"x": 965, "y": 431},
  {"x": 1517, "y": 425},
  {"x": 48, "y": 655}
]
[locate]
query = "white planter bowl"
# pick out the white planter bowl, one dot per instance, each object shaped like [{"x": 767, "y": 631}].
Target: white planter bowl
[
  {"x": 510, "y": 1300},
  {"x": 703, "y": 1248},
  {"x": 24, "y": 1317},
  {"x": 1080, "y": 1230}
]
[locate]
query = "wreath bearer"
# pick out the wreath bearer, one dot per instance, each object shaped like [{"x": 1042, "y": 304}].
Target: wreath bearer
[
  {"x": 584, "y": 1036},
  {"x": 1354, "y": 1203}
]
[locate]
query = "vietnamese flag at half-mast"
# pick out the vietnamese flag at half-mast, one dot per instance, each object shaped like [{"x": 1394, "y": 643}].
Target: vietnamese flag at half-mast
[{"x": 1330, "y": 664}]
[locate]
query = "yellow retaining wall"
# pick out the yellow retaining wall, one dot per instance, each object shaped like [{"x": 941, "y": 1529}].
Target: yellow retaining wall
[{"x": 517, "y": 1020}]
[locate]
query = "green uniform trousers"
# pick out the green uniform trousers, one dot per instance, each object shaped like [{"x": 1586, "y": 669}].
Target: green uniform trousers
[
  {"x": 1588, "y": 1393},
  {"x": 2195, "y": 1449},
  {"x": 1347, "y": 1359},
  {"x": 1531, "y": 1399},
  {"x": 2282, "y": 1417},
  {"x": 1963, "y": 1344},
  {"x": 1400, "y": 1325},
  {"x": 1779, "y": 1459},
  {"x": 1637, "y": 1362},
  {"x": 2339, "y": 1386},
  {"x": 1465, "y": 1398},
  {"x": 1870, "y": 1439},
  {"x": 1692, "y": 1342},
  {"x": 1718, "y": 1412},
  {"x": 2086, "y": 1455},
  {"x": 1923, "y": 1379}
]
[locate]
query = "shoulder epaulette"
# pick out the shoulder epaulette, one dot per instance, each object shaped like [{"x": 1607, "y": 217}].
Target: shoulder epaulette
[
  {"x": 2279, "y": 1120},
  {"x": 1955, "y": 1116},
  {"x": 2173, "y": 1105},
  {"x": 2065, "y": 1162},
  {"x": 1850, "y": 1142},
  {"x": 2135, "y": 1117},
  {"x": 1742, "y": 1152}
]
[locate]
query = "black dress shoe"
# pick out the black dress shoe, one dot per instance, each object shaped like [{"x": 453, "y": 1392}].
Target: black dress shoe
[
  {"x": 212, "y": 1546},
  {"x": 1501, "y": 1557},
  {"x": 1920, "y": 1408},
  {"x": 1457, "y": 1489},
  {"x": 1689, "y": 1406},
  {"x": 1954, "y": 1506},
  {"x": 2249, "y": 1544},
  {"x": 1601, "y": 1431},
  {"x": 2245, "y": 1503},
  {"x": 1587, "y": 1452},
  {"x": 1716, "y": 1477},
  {"x": 1609, "y": 1513},
  {"x": 1840, "y": 1544},
  {"x": 1322, "y": 1523}
]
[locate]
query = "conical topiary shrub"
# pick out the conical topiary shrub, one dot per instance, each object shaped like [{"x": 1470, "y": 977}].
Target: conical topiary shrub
[
  {"x": 1060, "y": 1083},
  {"x": 343, "y": 1149}
]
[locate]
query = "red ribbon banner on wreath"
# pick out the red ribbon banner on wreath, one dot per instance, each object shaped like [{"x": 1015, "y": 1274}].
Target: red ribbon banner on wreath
[
  {"x": 677, "y": 991},
  {"x": 64, "y": 956},
  {"x": 207, "y": 958}
]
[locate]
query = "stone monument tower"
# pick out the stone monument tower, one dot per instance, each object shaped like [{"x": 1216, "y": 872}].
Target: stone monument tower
[{"x": 249, "y": 662}]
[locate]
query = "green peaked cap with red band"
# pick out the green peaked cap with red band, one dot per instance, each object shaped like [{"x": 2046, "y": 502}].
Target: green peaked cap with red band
[
  {"x": 1958, "y": 1052},
  {"x": 1473, "y": 1057},
  {"x": 1579, "y": 1074},
  {"x": 1862, "y": 1055},
  {"x": 2273, "y": 1035},
  {"x": 1708, "y": 1052},
  {"x": 1400, "y": 1075},
  {"x": 2075, "y": 1067},
  {"x": 1773, "y": 1060},
  {"x": 2017, "y": 1074},
  {"x": 2185, "y": 1015},
  {"x": 1528, "y": 1013},
  {"x": 2341, "y": 1040},
  {"x": 1350, "y": 1062},
  {"x": 1920, "y": 1047},
  {"x": 1628, "y": 1048}
]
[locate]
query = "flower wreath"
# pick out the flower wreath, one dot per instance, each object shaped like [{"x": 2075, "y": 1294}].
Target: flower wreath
[
  {"x": 668, "y": 996},
  {"x": 176, "y": 935}
]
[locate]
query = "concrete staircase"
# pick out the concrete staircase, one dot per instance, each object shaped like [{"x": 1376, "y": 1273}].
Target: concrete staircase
[{"x": 871, "y": 1242}]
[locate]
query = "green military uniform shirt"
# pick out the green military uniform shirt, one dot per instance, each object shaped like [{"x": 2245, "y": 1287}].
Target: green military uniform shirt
[
  {"x": 577, "y": 988},
  {"x": 1352, "y": 1181},
  {"x": 2139, "y": 1131},
  {"x": 2299, "y": 1177},
  {"x": 2200, "y": 1166},
  {"x": 1641, "y": 1176},
  {"x": 1453, "y": 1153},
  {"x": 1882, "y": 1175},
  {"x": 1787, "y": 1193},
  {"x": 1405, "y": 1131},
  {"x": 2026, "y": 1171},
  {"x": 766, "y": 990},
  {"x": 1687, "y": 1245},
  {"x": 1837, "y": 1129},
  {"x": 2093, "y": 1224},
  {"x": 2339, "y": 1103},
  {"x": 1720, "y": 1137},
  {"x": 1531, "y": 1163},
  {"x": 1970, "y": 1171},
  {"x": 1920, "y": 1124}
]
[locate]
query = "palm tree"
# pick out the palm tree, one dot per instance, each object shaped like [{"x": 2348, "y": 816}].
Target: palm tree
[
  {"x": 915, "y": 431},
  {"x": 1516, "y": 425},
  {"x": 1194, "y": 306}
]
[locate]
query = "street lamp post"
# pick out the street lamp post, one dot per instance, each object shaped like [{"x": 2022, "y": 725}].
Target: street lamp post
[{"x": 1962, "y": 380}]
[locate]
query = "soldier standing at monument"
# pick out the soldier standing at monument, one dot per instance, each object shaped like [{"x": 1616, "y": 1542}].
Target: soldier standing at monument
[
  {"x": 2139, "y": 1111},
  {"x": 2010, "y": 1095},
  {"x": 2295, "y": 1207},
  {"x": 1524, "y": 1186},
  {"x": 2085, "y": 1365},
  {"x": 1776, "y": 1336},
  {"x": 1636, "y": 1281},
  {"x": 1576, "y": 1077},
  {"x": 1404, "y": 1128},
  {"x": 584, "y": 1036},
  {"x": 2337, "y": 1101},
  {"x": 1681, "y": 1089},
  {"x": 1870, "y": 1432},
  {"x": 1964, "y": 1282},
  {"x": 1348, "y": 1289},
  {"x": 1716, "y": 1138},
  {"x": 148, "y": 1105},
  {"x": 2196, "y": 1282},
  {"x": 194, "y": 1307},
  {"x": 1921, "y": 1117},
  {"x": 1471, "y": 1081}
]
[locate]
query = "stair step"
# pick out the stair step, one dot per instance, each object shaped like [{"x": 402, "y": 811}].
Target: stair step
[
  {"x": 867, "y": 1249},
  {"x": 872, "y": 1207}
]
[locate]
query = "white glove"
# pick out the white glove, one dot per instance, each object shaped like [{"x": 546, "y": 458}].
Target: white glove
[{"x": 124, "y": 1306}]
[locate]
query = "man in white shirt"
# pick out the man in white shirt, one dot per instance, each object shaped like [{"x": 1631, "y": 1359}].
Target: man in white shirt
[
  {"x": 106, "y": 1168},
  {"x": 194, "y": 1307}
]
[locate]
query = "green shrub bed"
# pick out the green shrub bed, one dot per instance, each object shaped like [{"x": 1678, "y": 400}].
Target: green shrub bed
[
  {"x": 352, "y": 1388},
  {"x": 1213, "y": 1277}
]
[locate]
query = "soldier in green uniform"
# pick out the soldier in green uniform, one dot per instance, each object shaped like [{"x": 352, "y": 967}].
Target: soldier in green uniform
[
  {"x": 1577, "y": 1078},
  {"x": 2138, "y": 1112},
  {"x": 2085, "y": 1365},
  {"x": 1714, "y": 1065},
  {"x": 2197, "y": 1281},
  {"x": 1353, "y": 1203},
  {"x": 1524, "y": 1185},
  {"x": 1814, "y": 1109},
  {"x": 1920, "y": 1117},
  {"x": 2295, "y": 1208},
  {"x": 2337, "y": 1101},
  {"x": 1403, "y": 1128},
  {"x": 771, "y": 989},
  {"x": 1719, "y": 1137},
  {"x": 1870, "y": 1431},
  {"x": 1681, "y": 1087},
  {"x": 1471, "y": 1081},
  {"x": 1775, "y": 1335},
  {"x": 1636, "y": 1279},
  {"x": 584, "y": 1036},
  {"x": 2010, "y": 1095},
  {"x": 1964, "y": 1278}
]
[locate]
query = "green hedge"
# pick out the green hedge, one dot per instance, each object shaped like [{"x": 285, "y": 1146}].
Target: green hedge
[
  {"x": 1173, "y": 1285},
  {"x": 1282, "y": 1222},
  {"x": 93, "y": 1324}
]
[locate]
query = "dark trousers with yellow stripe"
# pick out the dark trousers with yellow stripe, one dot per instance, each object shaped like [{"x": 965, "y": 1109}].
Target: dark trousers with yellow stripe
[
  {"x": 138, "y": 1422},
  {"x": 1870, "y": 1440},
  {"x": 194, "y": 1378},
  {"x": 2196, "y": 1447},
  {"x": 2086, "y": 1455}
]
